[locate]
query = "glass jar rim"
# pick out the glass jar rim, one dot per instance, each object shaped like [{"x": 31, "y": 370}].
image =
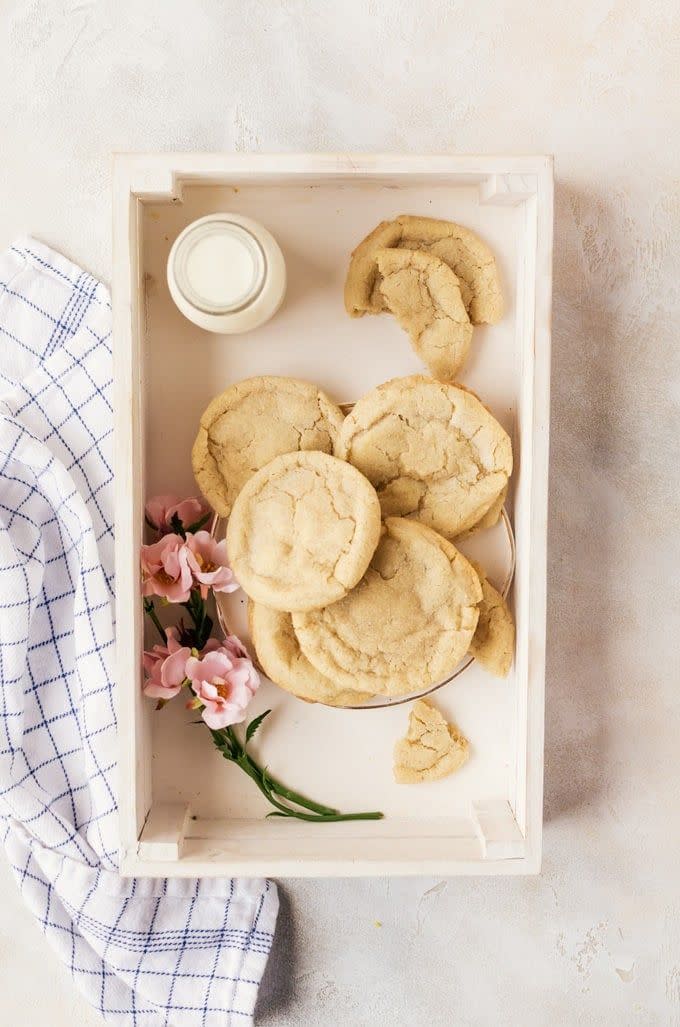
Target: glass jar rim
[{"x": 188, "y": 240}]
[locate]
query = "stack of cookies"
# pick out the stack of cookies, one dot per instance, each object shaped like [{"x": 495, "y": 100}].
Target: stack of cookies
[{"x": 341, "y": 531}]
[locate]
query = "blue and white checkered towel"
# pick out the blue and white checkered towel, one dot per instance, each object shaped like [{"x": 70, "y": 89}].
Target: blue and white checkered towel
[{"x": 149, "y": 953}]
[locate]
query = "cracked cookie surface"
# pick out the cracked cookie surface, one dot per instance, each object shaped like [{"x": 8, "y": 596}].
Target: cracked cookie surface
[
  {"x": 302, "y": 531},
  {"x": 407, "y": 623},
  {"x": 252, "y": 422},
  {"x": 284, "y": 663},
  {"x": 431, "y": 749},
  {"x": 424, "y": 295},
  {"x": 493, "y": 644},
  {"x": 464, "y": 252},
  {"x": 432, "y": 451}
]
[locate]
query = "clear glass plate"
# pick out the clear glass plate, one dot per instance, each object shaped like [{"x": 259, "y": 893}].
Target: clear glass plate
[{"x": 493, "y": 548}]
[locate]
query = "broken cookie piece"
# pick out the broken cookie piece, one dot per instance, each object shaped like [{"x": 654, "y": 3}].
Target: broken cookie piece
[
  {"x": 424, "y": 295},
  {"x": 464, "y": 252},
  {"x": 432, "y": 749},
  {"x": 493, "y": 643}
]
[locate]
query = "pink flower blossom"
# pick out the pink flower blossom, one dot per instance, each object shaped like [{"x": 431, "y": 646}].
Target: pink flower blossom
[
  {"x": 209, "y": 564},
  {"x": 211, "y": 645},
  {"x": 165, "y": 569},
  {"x": 161, "y": 509},
  {"x": 165, "y": 667},
  {"x": 231, "y": 643},
  {"x": 235, "y": 647},
  {"x": 225, "y": 683}
]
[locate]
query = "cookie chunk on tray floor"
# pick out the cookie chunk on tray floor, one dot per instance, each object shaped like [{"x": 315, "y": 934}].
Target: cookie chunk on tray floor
[{"x": 432, "y": 749}]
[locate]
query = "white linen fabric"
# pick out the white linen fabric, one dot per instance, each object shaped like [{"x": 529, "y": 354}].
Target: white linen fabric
[{"x": 148, "y": 953}]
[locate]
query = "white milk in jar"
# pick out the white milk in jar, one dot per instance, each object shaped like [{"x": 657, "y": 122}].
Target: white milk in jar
[{"x": 226, "y": 273}]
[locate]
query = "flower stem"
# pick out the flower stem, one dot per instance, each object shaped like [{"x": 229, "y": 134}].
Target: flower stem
[
  {"x": 327, "y": 818},
  {"x": 153, "y": 617},
  {"x": 335, "y": 818},
  {"x": 198, "y": 611},
  {"x": 256, "y": 771},
  {"x": 233, "y": 750},
  {"x": 288, "y": 793},
  {"x": 200, "y": 523},
  {"x": 248, "y": 764}
]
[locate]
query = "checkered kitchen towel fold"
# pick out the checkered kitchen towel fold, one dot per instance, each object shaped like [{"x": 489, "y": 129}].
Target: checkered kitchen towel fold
[{"x": 149, "y": 953}]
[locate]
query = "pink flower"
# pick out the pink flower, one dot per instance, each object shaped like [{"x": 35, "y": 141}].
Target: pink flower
[
  {"x": 231, "y": 643},
  {"x": 165, "y": 667},
  {"x": 209, "y": 564},
  {"x": 224, "y": 683},
  {"x": 161, "y": 509},
  {"x": 235, "y": 647},
  {"x": 165, "y": 569}
]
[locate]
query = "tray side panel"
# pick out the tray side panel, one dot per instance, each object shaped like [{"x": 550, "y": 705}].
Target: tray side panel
[
  {"x": 396, "y": 846},
  {"x": 134, "y": 722},
  {"x": 534, "y": 717}
]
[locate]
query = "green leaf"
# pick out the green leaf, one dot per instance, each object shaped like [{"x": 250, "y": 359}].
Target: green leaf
[
  {"x": 275, "y": 813},
  {"x": 206, "y": 630},
  {"x": 197, "y": 525},
  {"x": 177, "y": 526},
  {"x": 222, "y": 743},
  {"x": 232, "y": 740},
  {"x": 254, "y": 724},
  {"x": 266, "y": 780}
]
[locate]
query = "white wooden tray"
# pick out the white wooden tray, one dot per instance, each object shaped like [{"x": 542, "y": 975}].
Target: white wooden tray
[{"x": 183, "y": 810}]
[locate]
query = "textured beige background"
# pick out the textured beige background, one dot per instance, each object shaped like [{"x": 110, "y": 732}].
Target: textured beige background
[{"x": 595, "y": 940}]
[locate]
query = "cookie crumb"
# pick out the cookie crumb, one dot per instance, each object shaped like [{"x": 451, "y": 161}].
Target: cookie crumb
[{"x": 431, "y": 749}]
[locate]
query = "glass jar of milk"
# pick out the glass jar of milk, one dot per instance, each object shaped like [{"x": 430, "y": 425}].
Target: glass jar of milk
[{"x": 226, "y": 273}]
